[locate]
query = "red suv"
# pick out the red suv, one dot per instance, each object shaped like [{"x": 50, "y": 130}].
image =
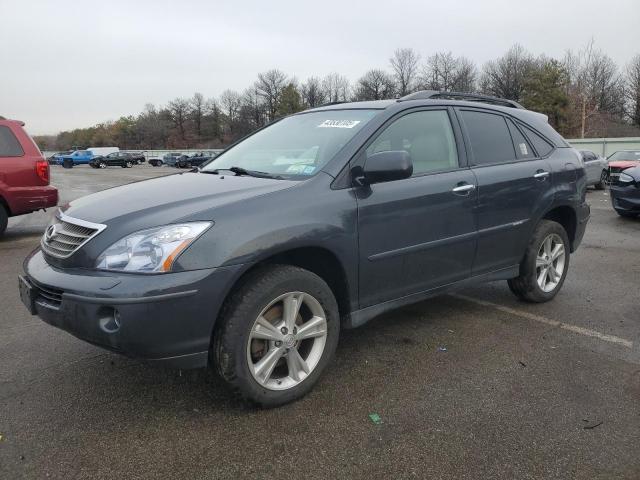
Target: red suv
[{"x": 24, "y": 174}]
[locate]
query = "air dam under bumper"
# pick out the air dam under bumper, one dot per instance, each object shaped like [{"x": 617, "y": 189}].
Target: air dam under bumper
[{"x": 167, "y": 318}]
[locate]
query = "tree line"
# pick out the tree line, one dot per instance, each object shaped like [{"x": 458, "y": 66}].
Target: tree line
[{"x": 584, "y": 94}]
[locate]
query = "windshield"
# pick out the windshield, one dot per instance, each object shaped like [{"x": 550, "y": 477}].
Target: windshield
[
  {"x": 295, "y": 147},
  {"x": 633, "y": 155}
]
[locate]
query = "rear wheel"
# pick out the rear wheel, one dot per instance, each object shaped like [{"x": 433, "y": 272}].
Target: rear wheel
[
  {"x": 128, "y": 164},
  {"x": 4, "y": 218},
  {"x": 545, "y": 264},
  {"x": 277, "y": 334}
]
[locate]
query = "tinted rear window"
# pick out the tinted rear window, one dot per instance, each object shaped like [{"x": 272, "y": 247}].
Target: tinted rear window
[
  {"x": 9, "y": 145},
  {"x": 489, "y": 137},
  {"x": 543, "y": 148},
  {"x": 523, "y": 148}
]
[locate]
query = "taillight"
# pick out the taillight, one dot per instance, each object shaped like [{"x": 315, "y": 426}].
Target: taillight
[{"x": 42, "y": 170}]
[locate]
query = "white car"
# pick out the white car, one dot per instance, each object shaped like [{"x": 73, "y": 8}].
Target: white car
[{"x": 597, "y": 169}]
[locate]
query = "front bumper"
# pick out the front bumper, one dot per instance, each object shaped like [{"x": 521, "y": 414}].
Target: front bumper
[
  {"x": 167, "y": 318},
  {"x": 625, "y": 198}
]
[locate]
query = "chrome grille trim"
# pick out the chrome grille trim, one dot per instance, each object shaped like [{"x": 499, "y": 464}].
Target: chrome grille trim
[{"x": 66, "y": 235}]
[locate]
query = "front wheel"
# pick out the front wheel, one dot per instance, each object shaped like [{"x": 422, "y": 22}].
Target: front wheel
[
  {"x": 604, "y": 179},
  {"x": 277, "y": 334},
  {"x": 102, "y": 165},
  {"x": 545, "y": 264}
]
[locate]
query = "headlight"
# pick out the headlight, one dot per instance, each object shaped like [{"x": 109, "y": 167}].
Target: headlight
[
  {"x": 152, "y": 250},
  {"x": 624, "y": 178}
]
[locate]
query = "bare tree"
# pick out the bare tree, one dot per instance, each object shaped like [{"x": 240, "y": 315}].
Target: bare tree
[
  {"x": 313, "y": 95},
  {"x": 252, "y": 111},
  {"x": 633, "y": 90},
  {"x": 197, "y": 112},
  {"x": 596, "y": 89},
  {"x": 269, "y": 86},
  {"x": 405, "y": 68},
  {"x": 505, "y": 77},
  {"x": 466, "y": 75},
  {"x": 230, "y": 102},
  {"x": 336, "y": 88},
  {"x": 375, "y": 85},
  {"x": 179, "y": 111}
]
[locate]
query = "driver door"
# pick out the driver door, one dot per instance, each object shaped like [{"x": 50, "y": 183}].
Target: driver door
[{"x": 418, "y": 233}]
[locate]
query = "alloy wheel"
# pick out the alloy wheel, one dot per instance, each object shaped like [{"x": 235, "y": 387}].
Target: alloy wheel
[
  {"x": 287, "y": 341},
  {"x": 550, "y": 263}
]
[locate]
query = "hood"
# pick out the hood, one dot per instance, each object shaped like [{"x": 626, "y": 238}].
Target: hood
[
  {"x": 623, "y": 164},
  {"x": 170, "y": 199}
]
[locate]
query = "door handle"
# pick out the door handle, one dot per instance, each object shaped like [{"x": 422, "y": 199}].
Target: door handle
[
  {"x": 541, "y": 175},
  {"x": 463, "y": 189}
]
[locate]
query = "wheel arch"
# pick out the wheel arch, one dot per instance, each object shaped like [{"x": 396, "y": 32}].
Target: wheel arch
[
  {"x": 319, "y": 260},
  {"x": 6, "y": 206},
  {"x": 566, "y": 216}
]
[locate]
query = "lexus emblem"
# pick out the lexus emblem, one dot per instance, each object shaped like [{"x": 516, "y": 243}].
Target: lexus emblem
[{"x": 51, "y": 232}]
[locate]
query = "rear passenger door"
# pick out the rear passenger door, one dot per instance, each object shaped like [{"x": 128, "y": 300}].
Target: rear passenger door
[{"x": 514, "y": 186}]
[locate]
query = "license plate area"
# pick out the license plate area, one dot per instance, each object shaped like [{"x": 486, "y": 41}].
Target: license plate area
[{"x": 27, "y": 294}]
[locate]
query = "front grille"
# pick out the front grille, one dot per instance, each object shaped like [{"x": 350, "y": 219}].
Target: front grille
[
  {"x": 66, "y": 235},
  {"x": 52, "y": 297}
]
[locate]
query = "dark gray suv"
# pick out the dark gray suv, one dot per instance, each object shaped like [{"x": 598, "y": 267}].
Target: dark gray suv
[{"x": 320, "y": 221}]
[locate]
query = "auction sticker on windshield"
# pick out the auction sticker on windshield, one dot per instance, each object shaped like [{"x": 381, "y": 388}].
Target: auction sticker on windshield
[{"x": 339, "y": 124}]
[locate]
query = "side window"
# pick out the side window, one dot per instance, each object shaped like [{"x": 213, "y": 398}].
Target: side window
[
  {"x": 522, "y": 146},
  {"x": 427, "y": 136},
  {"x": 9, "y": 144},
  {"x": 489, "y": 136},
  {"x": 543, "y": 148}
]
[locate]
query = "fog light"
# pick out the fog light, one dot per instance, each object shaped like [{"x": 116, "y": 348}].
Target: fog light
[{"x": 109, "y": 319}]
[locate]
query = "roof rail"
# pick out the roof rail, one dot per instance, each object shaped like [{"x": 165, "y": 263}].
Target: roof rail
[{"x": 471, "y": 97}]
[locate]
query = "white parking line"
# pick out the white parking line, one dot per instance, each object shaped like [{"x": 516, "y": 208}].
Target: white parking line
[{"x": 547, "y": 321}]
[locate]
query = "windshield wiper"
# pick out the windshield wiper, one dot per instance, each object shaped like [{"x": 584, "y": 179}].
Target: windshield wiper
[{"x": 243, "y": 171}]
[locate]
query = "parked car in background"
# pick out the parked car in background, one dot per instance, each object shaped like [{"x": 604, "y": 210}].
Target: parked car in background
[
  {"x": 596, "y": 167},
  {"x": 24, "y": 174},
  {"x": 625, "y": 192},
  {"x": 116, "y": 159},
  {"x": 78, "y": 157},
  {"x": 96, "y": 151},
  {"x": 156, "y": 162},
  {"x": 172, "y": 158},
  {"x": 621, "y": 160},
  {"x": 322, "y": 220},
  {"x": 193, "y": 160},
  {"x": 53, "y": 159}
]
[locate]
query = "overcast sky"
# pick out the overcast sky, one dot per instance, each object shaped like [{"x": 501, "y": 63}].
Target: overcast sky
[{"x": 67, "y": 64}]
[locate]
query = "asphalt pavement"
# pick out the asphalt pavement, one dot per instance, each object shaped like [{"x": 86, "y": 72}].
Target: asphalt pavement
[{"x": 466, "y": 386}]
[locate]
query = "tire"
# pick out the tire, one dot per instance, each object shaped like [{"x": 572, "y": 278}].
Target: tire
[
  {"x": 235, "y": 353},
  {"x": 526, "y": 286},
  {"x": 187, "y": 165},
  {"x": 624, "y": 214},
  {"x": 102, "y": 165},
  {"x": 67, "y": 163},
  {"x": 604, "y": 179},
  {"x": 4, "y": 219},
  {"x": 128, "y": 164}
]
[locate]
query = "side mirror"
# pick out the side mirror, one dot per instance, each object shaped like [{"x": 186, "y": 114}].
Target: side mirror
[{"x": 388, "y": 166}]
